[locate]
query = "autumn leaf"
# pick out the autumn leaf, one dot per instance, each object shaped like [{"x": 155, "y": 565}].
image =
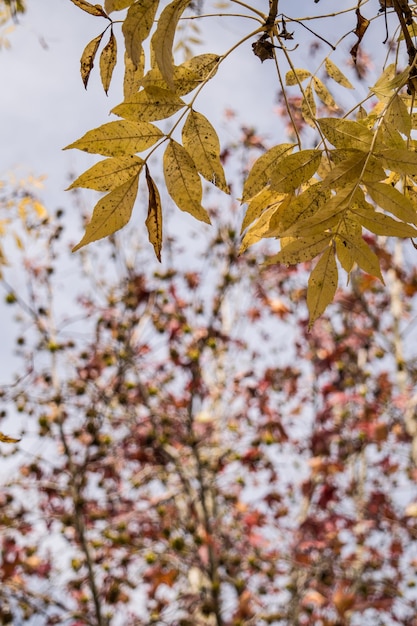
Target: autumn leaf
[
  {"x": 92, "y": 9},
  {"x": 163, "y": 39},
  {"x": 109, "y": 174},
  {"x": 150, "y": 104},
  {"x": 295, "y": 76},
  {"x": 111, "y": 213},
  {"x": 118, "y": 138},
  {"x": 117, "y": 5},
  {"x": 133, "y": 75},
  {"x": 336, "y": 74},
  {"x": 322, "y": 285},
  {"x": 108, "y": 61},
  {"x": 87, "y": 58},
  {"x": 346, "y": 133},
  {"x": 202, "y": 144},
  {"x": 183, "y": 182},
  {"x": 361, "y": 26},
  {"x": 260, "y": 174},
  {"x": 154, "y": 219},
  {"x": 7, "y": 439},
  {"x": 295, "y": 169},
  {"x": 137, "y": 26}
]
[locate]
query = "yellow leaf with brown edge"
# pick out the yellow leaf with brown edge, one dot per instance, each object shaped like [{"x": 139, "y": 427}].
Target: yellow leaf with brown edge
[
  {"x": 137, "y": 26},
  {"x": 163, "y": 39},
  {"x": 154, "y": 218},
  {"x": 111, "y": 212},
  {"x": 322, "y": 285},
  {"x": 6, "y": 439},
  {"x": 202, "y": 144},
  {"x": 183, "y": 182},
  {"x": 109, "y": 174},
  {"x": 108, "y": 59},
  {"x": 120, "y": 138},
  {"x": 92, "y": 9},
  {"x": 87, "y": 58}
]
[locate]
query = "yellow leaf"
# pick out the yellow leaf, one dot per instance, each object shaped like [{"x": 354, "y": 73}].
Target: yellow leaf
[
  {"x": 195, "y": 71},
  {"x": 323, "y": 93},
  {"x": 361, "y": 253},
  {"x": 87, "y": 58},
  {"x": 154, "y": 219},
  {"x": 133, "y": 75},
  {"x": 187, "y": 76},
  {"x": 390, "y": 81},
  {"x": 401, "y": 161},
  {"x": 346, "y": 133},
  {"x": 260, "y": 174},
  {"x": 137, "y": 26},
  {"x": 92, "y": 9},
  {"x": 295, "y": 169},
  {"x": 304, "y": 206},
  {"x": 152, "y": 103},
  {"x": 301, "y": 249},
  {"x": 118, "y": 138},
  {"x": 262, "y": 201},
  {"x": 390, "y": 199},
  {"x": 329, "y": 212},
  {"x": 108, "y": 61},
  {"x": 295, "y": 76},
  {"x": 183, "y": 182},
  {"x": 117, "y": 5},
  {"x": 202, "y": 144},
  {"x": 111, "y": 213},
  {"x": 308, "y": 107},
  {"x": 381, "y": 224},
  {"x": 109, "y": 174},
  {"x": 336, "y": 74},
  {"x": 7, "y": 439},
  {"x": 163, "y": 39},
  {"x": 348, "y": 171},
  {"x": 322, "y": 285},
  {"x": 257, "y": 231},
  {"x": 398, "y": 115}
]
